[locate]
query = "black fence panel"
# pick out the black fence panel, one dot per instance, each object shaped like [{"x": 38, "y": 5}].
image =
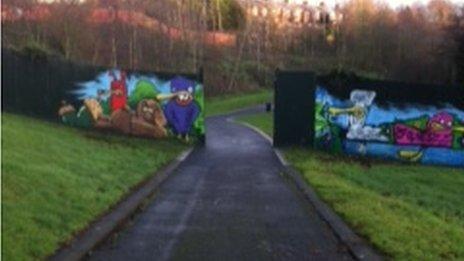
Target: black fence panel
[
  {"x": 36, "y": 86},
  {"x": 393, "y": 92},
  {"x": 139, "y": 103},
  {"x": 294, "y": 108}
]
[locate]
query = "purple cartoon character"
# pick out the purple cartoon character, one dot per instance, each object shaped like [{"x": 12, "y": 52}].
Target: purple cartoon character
[{"x": 182, "y": 111}]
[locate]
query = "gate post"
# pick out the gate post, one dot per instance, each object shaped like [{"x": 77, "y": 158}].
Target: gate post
[{"x": 294, "y": 108}]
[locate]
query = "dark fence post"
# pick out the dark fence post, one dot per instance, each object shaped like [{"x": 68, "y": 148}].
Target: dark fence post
[{"x": 294, "y": 108}]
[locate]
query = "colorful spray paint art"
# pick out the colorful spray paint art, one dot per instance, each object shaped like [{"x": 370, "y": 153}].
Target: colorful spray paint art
[
  {"x": 412, "y": 132},
  {"x": 139, "y": 105}
]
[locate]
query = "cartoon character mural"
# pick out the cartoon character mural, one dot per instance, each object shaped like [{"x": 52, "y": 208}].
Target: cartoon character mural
[
  {"x": 438, "y": 132},
  {"x": 118, "y": 92},
  {"x": 181, "y": 111},
  {"x": 357, "y": 129},
  {"x": 140, "y": 105},
  {"x": 358, "y": 126}
]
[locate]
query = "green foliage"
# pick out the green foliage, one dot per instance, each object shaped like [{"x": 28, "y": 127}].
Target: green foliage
[
  {"x": 233, "y": 16},
  {"x": 35, "y": 49},
  {"x": 143, "y": 90},
  {"x": 259, "y": 73},
  {"x": 248, "y": 72},
  {"x": 296, "y": 62},
  {"x": 58, "y": 179},
  {"x": 327, "y": 134},
  {"x": 321, "y": 123},
  {"x": 409, "y": 212},
  {"x": 199, "y": 124},
  {"x": 227, "y": 66},
  {"x": 458, "y": 134}
]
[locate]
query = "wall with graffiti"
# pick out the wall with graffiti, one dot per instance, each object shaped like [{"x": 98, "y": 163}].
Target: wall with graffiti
[
  {"x": 137, "y": 104},
  {"x": 428, "y": 134}
]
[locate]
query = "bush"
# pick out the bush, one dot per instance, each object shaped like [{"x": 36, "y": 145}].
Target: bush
[{"x": 35, "y": 50}]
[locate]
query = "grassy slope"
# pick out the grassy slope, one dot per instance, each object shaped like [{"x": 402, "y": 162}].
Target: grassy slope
[
  {"x": 57, "y": 179},
  {"x": 46, "y": 202},
  {"x": 263, "y": 121},
  {"x": 407, "y": 211},
  {"x": 228, "y": 103}
]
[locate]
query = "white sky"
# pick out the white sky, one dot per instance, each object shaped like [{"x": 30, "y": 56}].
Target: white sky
[
  {"x": 393, "y": 3},
  {"x": 397, "y": 3},
  {"x": 331, "y": 3}
]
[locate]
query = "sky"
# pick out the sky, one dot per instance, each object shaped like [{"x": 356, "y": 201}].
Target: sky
[
  {"x": 392, "y": 3},
  {"x": 331, "y": 3},
  {"x": 398, "y": 3}
]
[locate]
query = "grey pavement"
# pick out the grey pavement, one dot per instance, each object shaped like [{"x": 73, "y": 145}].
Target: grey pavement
[{"x": 227, "y": 201}]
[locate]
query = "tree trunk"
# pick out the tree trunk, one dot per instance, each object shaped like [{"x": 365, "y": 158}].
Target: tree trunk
[
  {"x": 219, "y": 15},
  {"x": 114, "y": 50}
]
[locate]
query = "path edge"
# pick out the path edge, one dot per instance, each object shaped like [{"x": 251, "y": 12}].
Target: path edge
[
  {"x": 356, "y": 245},
  {"x": 104, "y": 226}
]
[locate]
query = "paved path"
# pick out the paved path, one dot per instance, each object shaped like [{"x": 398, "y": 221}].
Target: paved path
[{"x": 227, "y": 201}]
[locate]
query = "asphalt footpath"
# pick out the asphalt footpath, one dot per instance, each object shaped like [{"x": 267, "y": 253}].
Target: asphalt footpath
[{"x": 226, "y": 201}]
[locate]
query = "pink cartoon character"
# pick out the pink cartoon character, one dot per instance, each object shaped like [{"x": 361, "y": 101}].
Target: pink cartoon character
[{"x": 439, "y": 131}]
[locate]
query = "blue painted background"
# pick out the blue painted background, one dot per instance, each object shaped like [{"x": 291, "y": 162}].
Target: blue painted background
[{"x": 332, "y": 130}]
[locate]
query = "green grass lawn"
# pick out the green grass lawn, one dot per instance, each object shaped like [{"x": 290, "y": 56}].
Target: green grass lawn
[
  {"x": 409, "y": 212},
  {"x": 263, "y": 121},
  {"x": 55, "y": 180},
  {"x": 229, "y": 103}
]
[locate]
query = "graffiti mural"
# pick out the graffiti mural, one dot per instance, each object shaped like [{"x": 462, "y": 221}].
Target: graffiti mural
[
  {"x": 139, "y": 105},
  {"x": 415, "y": 133}
]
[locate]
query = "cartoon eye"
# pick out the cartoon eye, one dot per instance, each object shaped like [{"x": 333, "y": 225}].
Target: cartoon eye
[
  {"x": 190, "y": 89},
  {"x": 450, "y": 123},
  {"x": 442, "y": 122}
]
